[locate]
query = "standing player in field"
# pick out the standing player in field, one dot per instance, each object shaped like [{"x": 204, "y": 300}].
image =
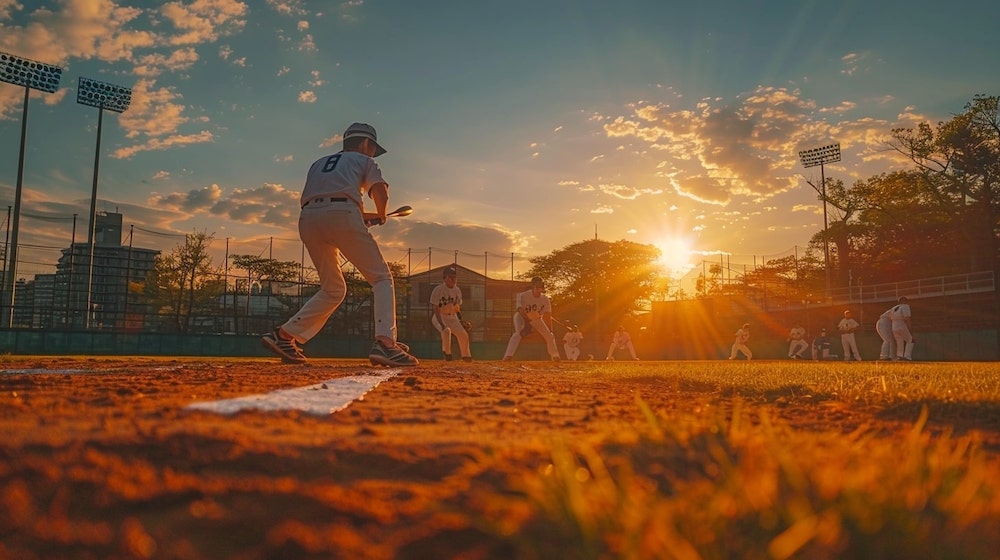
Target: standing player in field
[
  {"x": 446, "y": 309},
  {"x": 847, "y": 326},
  {"x": 900, "y": 316},
  {"x": 740, "y": 343},
  {"x": 621, "y": 341},
  {"x": 534, "y": 312},
  {"x": 332, "y": 222},
  {"x": 571, "y": 343}
]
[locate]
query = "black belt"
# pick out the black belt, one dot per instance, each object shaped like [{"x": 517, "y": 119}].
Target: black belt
[{"x": 322, "y": 199}]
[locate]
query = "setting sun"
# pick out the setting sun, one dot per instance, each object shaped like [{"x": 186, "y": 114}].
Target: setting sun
[{"x": 675, "y": 254}]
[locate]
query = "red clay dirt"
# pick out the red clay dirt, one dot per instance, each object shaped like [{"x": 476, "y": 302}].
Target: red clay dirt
[{"x": 99, "y": 457}]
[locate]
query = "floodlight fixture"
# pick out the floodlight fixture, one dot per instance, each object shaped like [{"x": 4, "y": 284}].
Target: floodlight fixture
[
  {"x": 103, "y": 95},
  {"x": 30, "y": 75},
  {"x": 811, "y": 158},
  {"x": 113, "y": 98},
  {"x": 820, "y": 156}
]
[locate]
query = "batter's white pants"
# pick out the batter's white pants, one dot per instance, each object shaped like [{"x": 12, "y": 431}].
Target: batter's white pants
[
  {"x": 538, "y": 325},
  {"x": 850, "y": 344},
  {"x": 328, "y": 230},
  {"x": 884, "y": 329},
  {"x": 452, "y": 326}
]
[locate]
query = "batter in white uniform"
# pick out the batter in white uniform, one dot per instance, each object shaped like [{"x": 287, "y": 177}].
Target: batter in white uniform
[
  {"x": 332, "y": 222},
  {"x": 446, "y": 308},
  {"x": 534, "y": 312}
]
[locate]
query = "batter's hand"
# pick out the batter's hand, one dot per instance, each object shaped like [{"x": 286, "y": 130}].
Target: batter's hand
[
  {"x": 467, "y": 325},
  {"x": 373, "y": 219}
]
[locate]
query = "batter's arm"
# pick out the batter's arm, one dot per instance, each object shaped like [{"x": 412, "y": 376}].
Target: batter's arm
[{"x": 379, "y": 193}]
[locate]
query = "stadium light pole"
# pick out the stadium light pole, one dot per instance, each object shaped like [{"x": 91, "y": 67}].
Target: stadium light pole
[
  {"x": 811, "y": 158},
  {"x": 113, "y": 98},
  {"x": 31, "y": 75}
]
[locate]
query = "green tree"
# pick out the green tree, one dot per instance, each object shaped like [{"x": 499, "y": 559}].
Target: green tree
[
  {"x": 603, "y": 282},
  {"x": 183, "y": 283}
]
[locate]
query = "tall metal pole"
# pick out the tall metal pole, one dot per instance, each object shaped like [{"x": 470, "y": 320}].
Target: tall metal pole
[
  {"x": 12, "y": 256},
  {"x": 91, "y": 232},
  {"x": 128, "y": 275},
  {"x": 826, "y": 238},
  {"x": 69, "y": 276},
  {"x": 6, "y": 248}
]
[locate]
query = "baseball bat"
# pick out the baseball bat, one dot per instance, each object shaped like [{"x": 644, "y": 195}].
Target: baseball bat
[
  {"x": 558, "y": 322},
  {"x": 398, "y": 212}
]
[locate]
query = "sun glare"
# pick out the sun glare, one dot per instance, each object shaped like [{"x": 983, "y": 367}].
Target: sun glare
[{"x": 675, "y": 254}]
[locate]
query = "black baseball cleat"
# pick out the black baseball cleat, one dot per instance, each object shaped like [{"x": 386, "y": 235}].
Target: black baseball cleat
[
  {"x": 286, "y": 348},
  {"x": 466, "y": 358},
  {"x": 395, "y": 356},
  {"x": 447, "y": 357}
]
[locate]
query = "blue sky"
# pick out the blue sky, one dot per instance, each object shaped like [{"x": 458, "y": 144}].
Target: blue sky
[{"x": 511, "y": 127}]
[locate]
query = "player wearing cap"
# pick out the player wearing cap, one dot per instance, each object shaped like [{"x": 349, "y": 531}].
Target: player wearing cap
[
  {"x": 796, "y": 343},
  {"x": 534, "y": 312},
  {"x": 821, "y": 346},
  {"x": 740, "y": 344},
  {"x": 621, "y": 341},
  {"x": 446, "y": 314},
  {"x": 847, "y": 326},
  {"x": 331, "y": 223},
  {"x": 571, "y": 342}
]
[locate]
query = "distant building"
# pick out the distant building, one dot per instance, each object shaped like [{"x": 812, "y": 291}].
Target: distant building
[{"x": 117, "y": 268}]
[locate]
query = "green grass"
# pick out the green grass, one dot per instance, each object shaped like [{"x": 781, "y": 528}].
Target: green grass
[{"x": 917, "y": 475}]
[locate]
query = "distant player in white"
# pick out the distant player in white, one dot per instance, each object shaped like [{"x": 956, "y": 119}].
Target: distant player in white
[
  {"x": 740, "y": 344},
  {"x": 796, "y": 342},
  {"x": 534, "y": 312},
  {"x": 621, "y": 341},
  {"x": 571, "y": 343},
  {"x": 847, "y": 326},
  {"x": 446, "y": 309},
  {"x": 884, "y": 329},
  {"x": 900, "y": 316}
]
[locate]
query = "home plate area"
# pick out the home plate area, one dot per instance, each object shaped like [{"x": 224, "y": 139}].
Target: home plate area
[{"x": 320, "y": 399}]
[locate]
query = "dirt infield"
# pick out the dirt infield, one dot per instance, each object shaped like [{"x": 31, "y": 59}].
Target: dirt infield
[{"x": 100, "y": 458}]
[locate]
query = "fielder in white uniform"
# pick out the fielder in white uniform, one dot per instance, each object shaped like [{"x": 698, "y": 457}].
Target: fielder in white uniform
[
  {"x": 534, "y": 312},
  {"x": 740, "y": 344},
  {"x": 847, "y": 326},
  {"x": 621, "y": 341},
  {"x": 446, "y": 308},
  {"x": 796, "y": 342},
  {"x": 900, "y": 316},
  {"x": 332, "y": 222},
  {"x": 884, "y": 329},
  {"x": 571, "y": 343}
]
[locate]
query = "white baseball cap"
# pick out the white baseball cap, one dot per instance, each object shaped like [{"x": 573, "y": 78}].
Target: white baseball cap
[{"x": 364, "y": 130}]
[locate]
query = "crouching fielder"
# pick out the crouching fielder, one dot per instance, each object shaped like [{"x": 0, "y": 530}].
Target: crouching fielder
[
  {"x": 534, "y": 312},
  {"x": 446, "y": 306}
]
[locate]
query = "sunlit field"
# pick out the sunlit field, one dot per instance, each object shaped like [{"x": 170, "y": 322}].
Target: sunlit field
[
  {"x": 100, "y": 458},
  {"x": 794, "y": 460}
]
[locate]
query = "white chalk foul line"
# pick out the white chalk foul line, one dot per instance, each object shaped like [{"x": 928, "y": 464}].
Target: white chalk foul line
[{"x": 320, "y": 399}]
